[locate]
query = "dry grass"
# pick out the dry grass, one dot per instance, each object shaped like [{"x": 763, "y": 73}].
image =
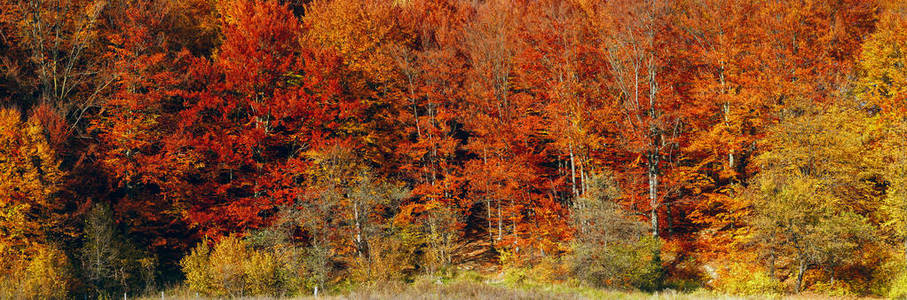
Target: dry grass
[{"x": 465, "y": 289}]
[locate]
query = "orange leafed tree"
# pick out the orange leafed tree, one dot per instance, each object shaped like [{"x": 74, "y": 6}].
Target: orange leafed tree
[{"x": 249, "y": 113}]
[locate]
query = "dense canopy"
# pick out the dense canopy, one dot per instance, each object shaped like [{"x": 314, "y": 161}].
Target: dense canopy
[{"x": 251, "y": 147}]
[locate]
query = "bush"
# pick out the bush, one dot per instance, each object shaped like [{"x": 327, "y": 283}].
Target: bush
[
  {"x": 549, "y": 269},
  {"x": 46, "y": 275},
  {"x": 231, "y": 268},
  {"x": 744, "y": 280},
  {"x": 439, "y": 228},
  {"x": 837, "y": 288},
  {"x": 390, "y": 258},
  {"x": 262, "y": 274},
  {"x": 626, "y": 265},
  {"x": 197, "y": 270},
  {"x": 611, "y": 249},
  {"x": 898, "y": 288}
]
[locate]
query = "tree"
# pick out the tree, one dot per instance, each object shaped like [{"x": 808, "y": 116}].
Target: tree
[
  {"x": 30, "y": 213},
  {"x": 99, "y": 255},
  {"x": 139, "y": 116},
  {"x": 248, "y": 114},
  {"x": 632, "y": 37},
  {"x": 506, "y": 168},
  {"x": 560, "y": 70},
  {"x": 61, "y": 38},
  {"x": 32, "y": 179},
  {"x": 812, "y": 198},
  {"x": 880, "y": 87},
  {"x": 745, "y": 85},
  {"x": 432, "y": 79},
  {"x": 610, "y": 248}
]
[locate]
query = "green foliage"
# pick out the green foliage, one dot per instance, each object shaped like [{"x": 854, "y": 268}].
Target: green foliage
[
  {"x": 610, "y": 249},
  {"x": 631, "y": 265}
]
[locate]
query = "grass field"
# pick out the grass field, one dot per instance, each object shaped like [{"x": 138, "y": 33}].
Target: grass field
[{"x": 492, "y": 289}]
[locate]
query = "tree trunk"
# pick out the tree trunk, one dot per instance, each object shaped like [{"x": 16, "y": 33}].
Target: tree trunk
[
  {"x": 488, "y": 202},
  {"x": 653, "y": 192},
  {"x": 358, "y": 238},
  {"x": 490, "y": 226},
  {"x": 582, "y": 177},
  {"x": 800, "y": 272},
  {"x": 500, "y": 222},
  {"x": 573, "y": 172},
  {"x": 771, "y": 265},
  {"x": 668, "y": 222}
]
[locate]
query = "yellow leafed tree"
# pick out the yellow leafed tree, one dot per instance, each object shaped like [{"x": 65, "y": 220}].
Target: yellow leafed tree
[
  {"x": 883, "y": 85},
  {"x": 31, "y": 177}
]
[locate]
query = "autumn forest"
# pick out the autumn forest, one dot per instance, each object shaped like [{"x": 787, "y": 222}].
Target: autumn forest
[{"x": 288, "y": 148}]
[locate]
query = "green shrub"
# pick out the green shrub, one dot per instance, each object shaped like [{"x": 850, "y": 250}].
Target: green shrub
[
  {"x": 625, "y": 265},
  {"x": 612, "y": 249}
]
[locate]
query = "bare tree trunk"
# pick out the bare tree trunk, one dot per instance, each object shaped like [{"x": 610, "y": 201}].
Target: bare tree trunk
[
  {"x": 801, "y": 270},
  {"x": 500, "y": 222},
  {"x": 654, "y": 155},
  {"x": 726, "y": 110},
  {"x": 573, "y": 172},
  {"x": 771, "y": 265},
  {"x": 488, "y": 203},
  {"x": 668, "y": 222},
  {"x": 582, "y": 177},
  {"x": 490, "y": 226},
  {"x": 653, "y": 192},
  {"x": 358, "y": 238}
]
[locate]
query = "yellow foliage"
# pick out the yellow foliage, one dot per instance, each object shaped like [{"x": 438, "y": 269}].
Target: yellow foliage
[
  {"x": 262, "y": 271},
  {"x": 883, "y": 62},
  {"x": 47, "y": 276},
  {"x": 31, "y": 176},
  {"x": 389, "y": 258},
  {"x": 232, "y": 269},
  {"x": 44, "y": 275},
  {"x": 195, "y": 267},
  {"x": 218, "y": 271},
  {"x": 744, "y": 279},
  {"x": 361, "y": 31}
]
